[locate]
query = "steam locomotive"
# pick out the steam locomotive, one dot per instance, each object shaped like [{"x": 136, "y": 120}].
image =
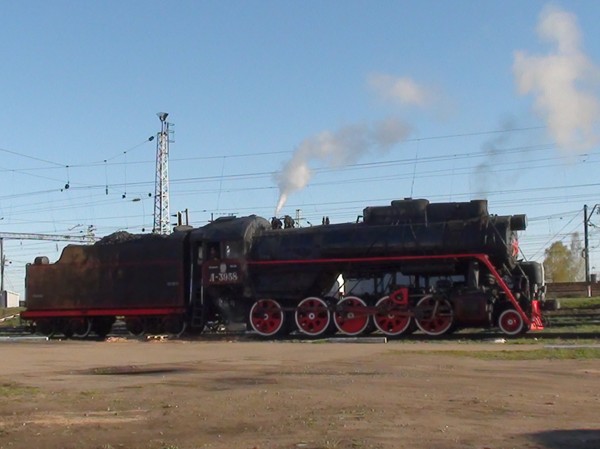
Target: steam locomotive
[{"x": 405, "y": 267}]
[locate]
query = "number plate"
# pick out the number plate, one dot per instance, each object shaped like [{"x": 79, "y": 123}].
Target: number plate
[{"x": 222, "y": 273}]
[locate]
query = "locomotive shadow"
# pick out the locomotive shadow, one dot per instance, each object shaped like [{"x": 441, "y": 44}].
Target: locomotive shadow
[
  {"x": 568, "y": 439},
  {"x": 134, "y": 370}
]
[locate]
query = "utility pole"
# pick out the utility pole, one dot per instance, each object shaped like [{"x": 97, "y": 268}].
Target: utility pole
[
  {"x": 2, "y": 263},
  {"x": 161, "y": 192},
  {"x": 586, "y": 250}
]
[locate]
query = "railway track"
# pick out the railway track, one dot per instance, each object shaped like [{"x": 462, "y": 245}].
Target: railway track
[{"x": 574, "y": 320}]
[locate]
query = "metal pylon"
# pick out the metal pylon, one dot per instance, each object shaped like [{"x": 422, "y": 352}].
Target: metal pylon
[{"x": 161, "y": 192}]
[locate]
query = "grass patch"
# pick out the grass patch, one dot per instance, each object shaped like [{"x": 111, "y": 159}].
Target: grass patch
[
  {"x": 11, "y": 389},
  {"x": 556, "y": 327},
  {"x": 550, "y": 339},
  {"x": 10, "y": 311},
  {"x": 541, "y": 354},
  {"x": 89, "y": 393},
  {"x": 12, "y": 322},
  {"x": 575, "y": 353},
  {"x": 580, "y": 303}
]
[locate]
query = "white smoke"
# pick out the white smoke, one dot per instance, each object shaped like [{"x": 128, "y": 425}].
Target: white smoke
[
  {"x": 336, "y": 149},
  {"x": 402, "y": 90},
  {"x": 564, "y": 82}
]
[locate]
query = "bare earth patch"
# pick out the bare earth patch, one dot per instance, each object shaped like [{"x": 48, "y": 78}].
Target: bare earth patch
[{"x": 286, "y": 395}]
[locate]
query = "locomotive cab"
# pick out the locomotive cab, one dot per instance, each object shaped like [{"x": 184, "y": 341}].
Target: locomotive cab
[
  {"x": 219, "y": 286},
  {"x": 221, "y": 262}
]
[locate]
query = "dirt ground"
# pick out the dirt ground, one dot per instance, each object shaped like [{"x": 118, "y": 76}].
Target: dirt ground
[{"x": 287, "y": 395}]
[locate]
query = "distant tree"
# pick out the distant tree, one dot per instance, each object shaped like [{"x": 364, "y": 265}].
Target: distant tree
[
  {"x": 564, "y": 263},
  {"x": 578, "y": 259}
]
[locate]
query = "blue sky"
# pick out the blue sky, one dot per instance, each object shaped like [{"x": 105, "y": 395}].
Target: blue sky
[{"x": 493, "y": 100}]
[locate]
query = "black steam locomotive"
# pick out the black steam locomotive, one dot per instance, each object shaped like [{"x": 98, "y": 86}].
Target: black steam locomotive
[{"x": 412, "y": 265}]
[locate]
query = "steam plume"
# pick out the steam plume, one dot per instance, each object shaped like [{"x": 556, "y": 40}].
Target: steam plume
[
  {"x": 336, "y": 149},
  {"x": 492, "y": 150},
  {"x": 562, "y": 82}
]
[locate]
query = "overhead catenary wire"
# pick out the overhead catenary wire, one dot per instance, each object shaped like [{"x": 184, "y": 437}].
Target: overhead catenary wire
[
  {"x": 553, "y": 237},
  {"x": 267, "y": 153},
  {"x": 226, "y": 183},
  {"x": 423, "y": 173}
]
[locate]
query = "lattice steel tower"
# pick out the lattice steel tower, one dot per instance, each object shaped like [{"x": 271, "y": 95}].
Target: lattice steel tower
[{"x": 161, "y": 192}]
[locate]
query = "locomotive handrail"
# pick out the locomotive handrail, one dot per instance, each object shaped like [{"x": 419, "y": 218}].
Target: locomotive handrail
[{"x": 367, "y": 259}]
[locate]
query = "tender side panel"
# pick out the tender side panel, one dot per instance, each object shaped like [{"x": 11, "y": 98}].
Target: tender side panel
[{"x": 141, "y": 273}]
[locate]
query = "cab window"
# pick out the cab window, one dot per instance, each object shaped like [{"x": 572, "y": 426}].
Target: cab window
[
  {"x": 213, "y": 251},
  {"x": 233, "y": 250}
]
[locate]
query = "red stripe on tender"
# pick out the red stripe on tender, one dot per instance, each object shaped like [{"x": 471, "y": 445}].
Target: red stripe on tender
[{"x": 32, "y": 314}]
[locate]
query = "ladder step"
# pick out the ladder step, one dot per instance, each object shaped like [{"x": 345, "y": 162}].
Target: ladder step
[{"x": 197, "y": 315}]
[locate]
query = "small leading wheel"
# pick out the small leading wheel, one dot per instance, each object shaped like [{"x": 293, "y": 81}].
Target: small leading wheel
[
  {"x": 511, "y": 322},
  {"x": 434, "y": 315},
  {"x": 312, "y": 316},
  {"x": 350, "y": 316},
  {"x": 391, "y": 319},
  {"x": 267, "y": 317},
  {"x": 81, "y": 327}
]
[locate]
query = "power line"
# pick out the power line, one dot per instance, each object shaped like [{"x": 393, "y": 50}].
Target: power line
[
  {"x": 74, "y": 200},
  {"x": 554, "y": 236},
  {"x": 372, "y": 165},
  {"x": 4, "y": 150},
  {"x": 269, "y": 153}
]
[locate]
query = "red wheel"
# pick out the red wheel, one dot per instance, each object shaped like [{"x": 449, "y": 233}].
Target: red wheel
[
  {"x": 390, "y": 318},
  {"x": 312, "y": 316},
  {"x": 350, "y": 316},
  {"x": 266, "y": 317},
  {"x": 511, "y": 322},
  {"x": 434, "y": 316}
]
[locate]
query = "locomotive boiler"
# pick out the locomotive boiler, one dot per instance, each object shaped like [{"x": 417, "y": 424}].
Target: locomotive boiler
[{"x": 412, "y": 265}]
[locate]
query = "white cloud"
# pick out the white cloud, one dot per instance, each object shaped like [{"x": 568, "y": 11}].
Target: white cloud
[
  {"x": 402, "y": 90},
  {"x": 564, "y": 82}
]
